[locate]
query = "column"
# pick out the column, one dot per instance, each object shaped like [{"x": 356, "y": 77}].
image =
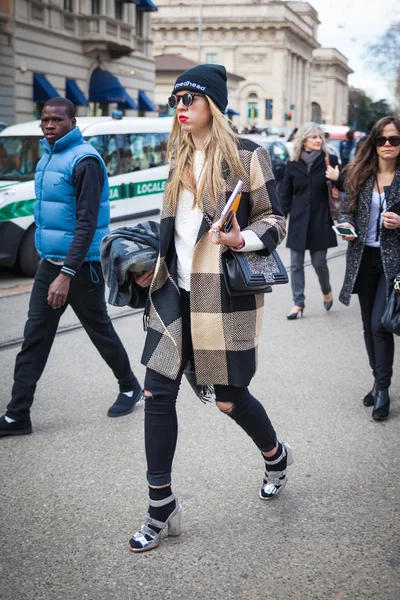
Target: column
[
  {"x": 289, "y": 100},
  {"x": 330, "y": 101},
  {"x": 278, "y": 70},
  {"x": 299, "y": 101},
  {"x": 293, "y": 99},
  {"x": 307, "y": 83},
  {"x": 131, "y": 14},
  {"x": 345, "y": 102}
]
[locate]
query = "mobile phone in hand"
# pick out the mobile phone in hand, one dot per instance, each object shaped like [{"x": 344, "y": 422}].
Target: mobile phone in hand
[{"x": 343, "y": 230}]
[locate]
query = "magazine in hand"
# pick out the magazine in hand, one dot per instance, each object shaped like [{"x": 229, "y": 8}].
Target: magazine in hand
[{"x": 231, "y": 205}]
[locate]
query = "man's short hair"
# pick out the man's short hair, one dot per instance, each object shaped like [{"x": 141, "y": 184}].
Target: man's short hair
[{"x": 67, "y": 104}]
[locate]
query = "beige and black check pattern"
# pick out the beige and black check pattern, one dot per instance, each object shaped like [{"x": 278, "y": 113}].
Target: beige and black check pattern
[{"x": 225, "y": 329}]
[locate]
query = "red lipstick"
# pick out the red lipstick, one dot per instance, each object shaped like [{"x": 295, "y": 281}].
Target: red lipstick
[{"x": 182, "y": 119}]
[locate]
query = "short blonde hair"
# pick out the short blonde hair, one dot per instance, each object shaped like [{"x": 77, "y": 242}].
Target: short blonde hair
[{"x": 304, "y": 132}]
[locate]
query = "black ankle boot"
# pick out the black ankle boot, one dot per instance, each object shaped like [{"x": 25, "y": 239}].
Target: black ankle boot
[
  {"x": 381, "y": 406},
  {"x": 369, "y": 399}
]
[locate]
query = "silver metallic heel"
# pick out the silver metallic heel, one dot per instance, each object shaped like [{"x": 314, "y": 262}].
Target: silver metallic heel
[
  {"x": 174, "y": 523},
  {"x": 275, "y": 481},
  {"x": 147, "y": 538}
]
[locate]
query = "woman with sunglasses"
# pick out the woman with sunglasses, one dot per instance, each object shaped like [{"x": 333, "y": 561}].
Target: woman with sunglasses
[
  {"x": 372, "y": 210},
  {"x": 192, "y": 318}
]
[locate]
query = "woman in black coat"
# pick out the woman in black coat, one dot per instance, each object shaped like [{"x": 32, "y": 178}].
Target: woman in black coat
[{"x": 304, "y": 195}]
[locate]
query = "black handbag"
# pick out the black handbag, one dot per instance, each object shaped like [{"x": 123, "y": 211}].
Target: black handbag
[
  {"x": 248, "y": 273},
  {"x": 391, "y": 316}
]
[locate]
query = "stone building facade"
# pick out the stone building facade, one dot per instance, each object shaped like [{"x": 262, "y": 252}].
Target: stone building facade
[
  {"x": 329, "y": 88},
  {"x": 168, "y": 69},
  {"x": 44, "y": 43},
  {"x": 271, "y": 43}
]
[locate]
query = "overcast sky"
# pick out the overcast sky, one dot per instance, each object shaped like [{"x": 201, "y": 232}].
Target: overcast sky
[{"x": 348, "y": 25}]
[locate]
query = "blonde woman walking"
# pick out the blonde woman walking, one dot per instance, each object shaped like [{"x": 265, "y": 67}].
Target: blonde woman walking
[
  {"x": 304, "y": 196},
  {"x": 192, "y": 316}
]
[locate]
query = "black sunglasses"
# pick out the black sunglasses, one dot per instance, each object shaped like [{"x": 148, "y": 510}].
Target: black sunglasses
[
  {"x": 187, "y": 99},
  {"x": 394, "y": 140}
]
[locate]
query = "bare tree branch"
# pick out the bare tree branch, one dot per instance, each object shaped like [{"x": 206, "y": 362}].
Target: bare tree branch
[{"x": 383, "y": 56}]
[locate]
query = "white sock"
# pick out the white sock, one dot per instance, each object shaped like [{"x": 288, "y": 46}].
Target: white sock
[
  {"x": 129, "y": 394},
  {"x": 8, "y": 419}
]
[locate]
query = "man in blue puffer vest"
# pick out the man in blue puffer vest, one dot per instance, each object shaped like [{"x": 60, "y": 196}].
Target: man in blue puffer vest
[{"x": 72, "y": 215}]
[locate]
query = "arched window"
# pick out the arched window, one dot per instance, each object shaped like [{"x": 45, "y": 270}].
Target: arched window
[
  {"x": 316, "y": 112},
  {"x": 252, "y": 107}
]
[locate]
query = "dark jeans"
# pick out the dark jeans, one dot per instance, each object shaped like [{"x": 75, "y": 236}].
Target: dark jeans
[
  {"x": 161, "y": 424},
  {"x": 86, "y": 297},
  {"x": 371, "y": 289},
  {"x": 318, "y": 260}
]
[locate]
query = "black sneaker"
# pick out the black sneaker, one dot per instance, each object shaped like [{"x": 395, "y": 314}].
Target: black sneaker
[
  {"x": 15, "y": 428},
  {"x": 124, "y": 404}
]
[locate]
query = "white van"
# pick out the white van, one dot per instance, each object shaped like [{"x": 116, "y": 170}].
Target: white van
[{"x": 134, "y": 150}]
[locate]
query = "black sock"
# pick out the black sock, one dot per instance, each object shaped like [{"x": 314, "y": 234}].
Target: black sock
[
  {"x": 161, "y": 513},
  {"x": 277, "y": 465}
]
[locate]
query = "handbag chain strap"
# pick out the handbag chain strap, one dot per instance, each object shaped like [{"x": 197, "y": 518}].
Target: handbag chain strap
[{"x": 207, "y": 218}]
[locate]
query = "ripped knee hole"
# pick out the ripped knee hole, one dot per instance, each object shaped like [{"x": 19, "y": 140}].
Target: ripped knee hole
[{"x": 225, "y": 407}]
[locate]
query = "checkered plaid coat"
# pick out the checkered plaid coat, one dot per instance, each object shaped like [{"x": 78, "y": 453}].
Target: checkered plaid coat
[{"x": 225, "y": 329}]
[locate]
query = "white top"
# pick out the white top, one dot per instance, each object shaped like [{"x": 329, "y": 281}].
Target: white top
[
  {"x": 378, "y": 205},
  {"x": 188, "y": 220}
]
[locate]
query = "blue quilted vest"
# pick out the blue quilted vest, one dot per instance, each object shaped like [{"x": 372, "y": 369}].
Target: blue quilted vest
[{"x": 55, "y": 209}]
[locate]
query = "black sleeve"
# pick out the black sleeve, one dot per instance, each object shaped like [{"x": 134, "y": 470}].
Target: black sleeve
[
  {"x": 286, "y": 192},
  {"x": 89, "y": 181}
]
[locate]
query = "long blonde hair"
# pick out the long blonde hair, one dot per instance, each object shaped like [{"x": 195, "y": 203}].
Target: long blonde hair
[
  {"x": 220, "y": 149},
  {"x": 304, "y": 132}
]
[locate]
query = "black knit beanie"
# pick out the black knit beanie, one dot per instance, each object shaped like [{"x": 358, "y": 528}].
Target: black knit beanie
[{"x": 206, "y": 79}]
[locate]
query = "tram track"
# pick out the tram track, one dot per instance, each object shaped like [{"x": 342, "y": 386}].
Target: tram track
[{"x": 17, "y": 342}]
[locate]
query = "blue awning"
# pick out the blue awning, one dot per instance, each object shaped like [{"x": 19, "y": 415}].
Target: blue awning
[
  {"x": 129, "y": 104},
  {"x": 141, "y": 4},
  {"x": 145, "y": 5},
  {"x": 145, "y": 104},
  {"x": 74, "y": 93},
  {"x": 105, "y": 87},
  {"x": 230, "y": 112},
  {"x": 42, "y": 89}
]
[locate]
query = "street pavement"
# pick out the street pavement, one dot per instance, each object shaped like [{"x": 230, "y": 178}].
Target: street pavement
[{"x": 74, "y": 492}]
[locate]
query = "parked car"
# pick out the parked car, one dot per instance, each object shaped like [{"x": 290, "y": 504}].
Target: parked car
[
  {"x": 134, "y": 151},
  {"x": 278, "y": 152}
]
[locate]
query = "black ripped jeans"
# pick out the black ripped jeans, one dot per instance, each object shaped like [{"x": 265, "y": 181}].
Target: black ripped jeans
[{"x": 161, "y": 424}]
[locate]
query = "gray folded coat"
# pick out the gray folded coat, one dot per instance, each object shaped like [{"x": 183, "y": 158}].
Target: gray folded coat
[{"x": 127, "y": 251}]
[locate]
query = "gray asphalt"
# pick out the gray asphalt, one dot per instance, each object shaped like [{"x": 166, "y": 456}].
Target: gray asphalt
[{"x": 72, "y": 493}]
